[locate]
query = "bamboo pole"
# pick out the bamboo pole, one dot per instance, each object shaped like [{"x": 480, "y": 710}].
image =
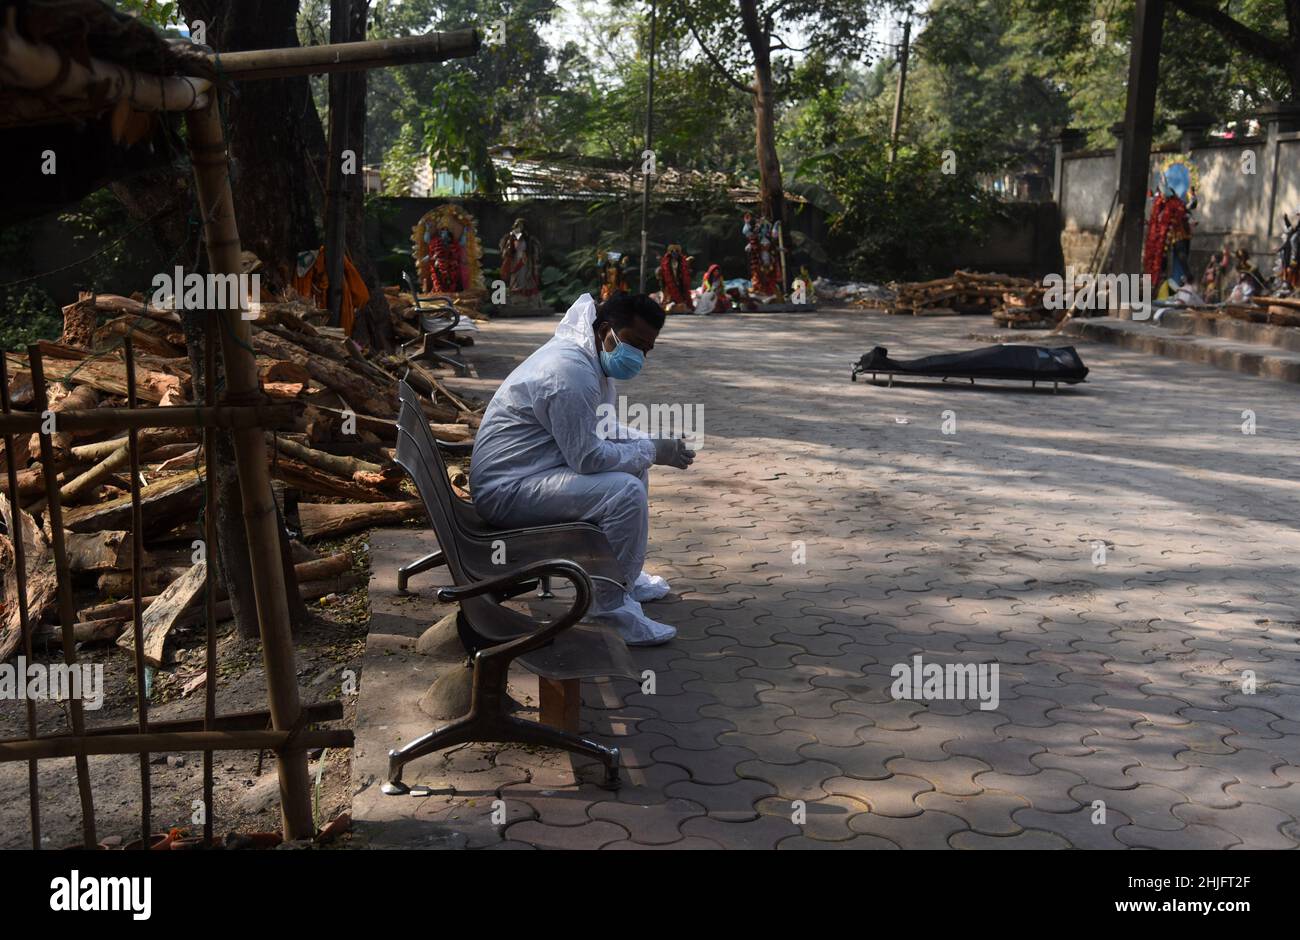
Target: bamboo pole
[
  {"x": 47, "y": 748},
  {"x": 212, "y": 180},
  {"x": 24, "y": 620},
  {"x": 54, "y": 74},
  {"x": 209, "y": 583},
  {"x": 270, "y": 417},
  {"x": 67, "y": 613},
  {"x": 347, "y": 56},
  {"x": 234, "y": 721},
  {"x": 137, "y": 591}
]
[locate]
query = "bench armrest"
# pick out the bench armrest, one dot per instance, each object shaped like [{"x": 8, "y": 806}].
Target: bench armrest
[{"x": 567, "y": 570}]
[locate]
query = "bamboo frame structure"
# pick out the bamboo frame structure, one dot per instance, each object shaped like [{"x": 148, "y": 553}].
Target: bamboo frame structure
[
  {"x": 243, "y": 409},
  {"x": 216, "y": 202},
  {"x": 347, "y": 56},
  {"x": 67, "y": 615},
  {"x": 24, "y": 618}
]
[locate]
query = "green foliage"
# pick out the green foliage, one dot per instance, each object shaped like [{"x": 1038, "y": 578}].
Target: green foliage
[
  {"x": 1082, "y": 47},
  {"x": 905, "y": 221},
  {"x": 457, "y": 125},
  {"x": 28, "y": 314},
  {"x": 154, "y": 12}
]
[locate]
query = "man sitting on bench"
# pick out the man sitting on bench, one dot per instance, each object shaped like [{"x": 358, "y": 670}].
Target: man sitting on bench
[{"x": 540, "y": 458}]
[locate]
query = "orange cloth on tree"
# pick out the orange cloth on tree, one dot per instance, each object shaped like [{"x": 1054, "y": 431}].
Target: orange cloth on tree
[{"x": 311, "y": 281}]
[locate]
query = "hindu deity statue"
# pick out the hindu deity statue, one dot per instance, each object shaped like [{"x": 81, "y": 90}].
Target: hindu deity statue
[
  {"x": 712, "y": 296},
  {"x": 612, "y": 266},
  {"x": 1167, "y": 250},
  {"x": 763, "y": 244},
  {"x": 446, "y": 250},
  {"x": 1249, "y": 283},
  {"x": 1215, "y": 277},
  {"x": 675, "y": 280},
  {"x": 1288, "y": 256},
  {"x": 521, "y": 263}
]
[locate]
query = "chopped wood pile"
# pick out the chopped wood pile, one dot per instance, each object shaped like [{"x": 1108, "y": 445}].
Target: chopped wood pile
[
  {"x": 334, "y": 468},
  {"x": 964, "y": 292}
]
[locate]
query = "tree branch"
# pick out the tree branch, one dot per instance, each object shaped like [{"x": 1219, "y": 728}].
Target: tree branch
[
  {"x": 1250, "y": 41},
  {"x": 717, "y": 64},
  {"x": 782, "y": 44}
]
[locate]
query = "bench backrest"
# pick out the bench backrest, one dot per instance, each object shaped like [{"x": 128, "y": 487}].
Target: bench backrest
[{"x": 428, "y": 471}]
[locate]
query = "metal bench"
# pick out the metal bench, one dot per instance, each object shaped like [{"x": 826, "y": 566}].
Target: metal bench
[
  {"x": 438, "y": 318},
  {"x": 580, "y": 542},
  {"x": 561, "y": 652}
]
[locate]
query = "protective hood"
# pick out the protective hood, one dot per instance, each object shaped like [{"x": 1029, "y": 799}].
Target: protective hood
[{"x": 576, "y": 325}]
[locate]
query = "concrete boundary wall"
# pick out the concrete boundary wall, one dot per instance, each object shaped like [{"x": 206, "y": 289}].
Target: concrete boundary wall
[{"x": 1246, "y": 186}]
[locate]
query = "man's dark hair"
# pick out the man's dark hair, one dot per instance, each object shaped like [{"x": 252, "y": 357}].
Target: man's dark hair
[{"x": 622, "y": 308}]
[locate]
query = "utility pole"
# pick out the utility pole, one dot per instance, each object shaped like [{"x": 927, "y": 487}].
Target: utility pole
[
  {"x": 645, "y": 177},
  {"x": 897, "y": 122}
]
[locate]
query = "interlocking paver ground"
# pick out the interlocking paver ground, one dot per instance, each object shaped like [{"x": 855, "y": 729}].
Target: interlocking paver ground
[{"x": 830, "y": 531}]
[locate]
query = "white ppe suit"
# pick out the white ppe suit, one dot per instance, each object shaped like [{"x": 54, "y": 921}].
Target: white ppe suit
[{"x": 539, "y": 458}]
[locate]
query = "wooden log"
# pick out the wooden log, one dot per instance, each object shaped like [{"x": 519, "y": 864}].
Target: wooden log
[
  {"x": 42, "y": 581},
  {"x": 328, "y": 567},
  {"x": 109, "y": 376},
  {"x": 362, "y": 394},
  {"x": 161, "y": 615},
  {"x": 98, "y": 551},
  {"x": 346, "y": 467},
  {"x": 81, "y": 398},
  {"x": 79, "y": 322},
  {"x": 164, "y": 502},
  {"x": 83, "y": 631},
  {"x": 331, "y": 520},
  {"x": 308, "y": 479},
  {"x": 281, "y": 370},
  {"x": 154, "y": 581}
]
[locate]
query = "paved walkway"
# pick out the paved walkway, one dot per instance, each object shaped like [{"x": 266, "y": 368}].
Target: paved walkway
[{"x": 830, "y": 531}]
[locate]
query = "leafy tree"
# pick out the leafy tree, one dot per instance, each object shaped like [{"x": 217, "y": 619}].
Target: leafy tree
[
  {"x": 752, "y": 37},
  {"x": 462, "y": 107}
]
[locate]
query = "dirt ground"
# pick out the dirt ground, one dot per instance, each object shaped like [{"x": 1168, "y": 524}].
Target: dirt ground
[{"x": 246, "y": 795}]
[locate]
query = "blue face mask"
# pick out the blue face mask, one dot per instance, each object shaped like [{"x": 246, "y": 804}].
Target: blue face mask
[{"x": 624, "y": 362}]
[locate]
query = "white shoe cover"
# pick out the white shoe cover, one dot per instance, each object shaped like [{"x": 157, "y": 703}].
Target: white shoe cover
[
  {"x": 634, "y": 626},
  {"x": 649, "y": 587}
]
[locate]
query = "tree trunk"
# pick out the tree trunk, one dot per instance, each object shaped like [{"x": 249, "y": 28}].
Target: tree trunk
[
  {"x": 233, "y": 568},
  {"x": 373, "y": 325},
  {"x": 758, "y": 33},
  {"x": 771, "y": 185},
  {"x": 271, "y": 128}
]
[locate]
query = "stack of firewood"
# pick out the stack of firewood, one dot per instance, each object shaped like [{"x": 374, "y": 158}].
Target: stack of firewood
[
  {"x": 963, "y": 292},
  {"x": 334, "y": 470}
]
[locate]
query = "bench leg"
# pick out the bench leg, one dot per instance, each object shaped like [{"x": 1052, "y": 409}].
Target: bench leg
[
  {"x": 432, "y": 560},
  {"x": 460, "y": 731},
  {"x": 489, "y": 722},
  {"x": 561, "y": 699},
  {"x": 530, "y": 732}
]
